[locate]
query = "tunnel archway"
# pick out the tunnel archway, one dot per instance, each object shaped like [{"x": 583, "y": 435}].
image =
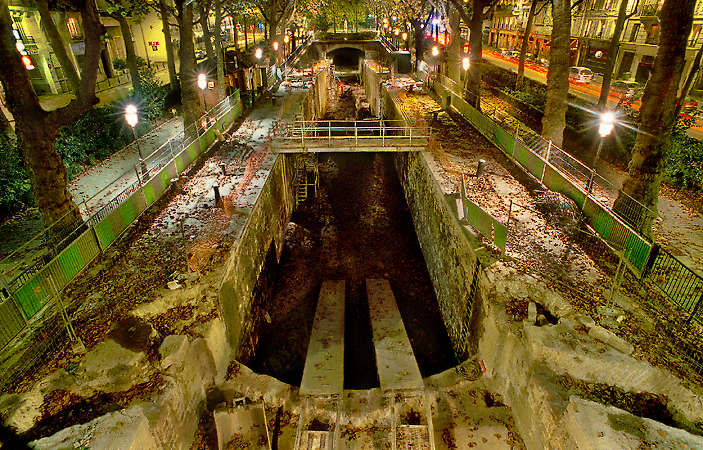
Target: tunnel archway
[{"x": 346, "y": 57}]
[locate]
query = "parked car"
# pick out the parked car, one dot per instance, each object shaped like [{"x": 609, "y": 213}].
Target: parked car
[
  {"x": 581, "y": 74},
  {"x": 626, "y": 89}
]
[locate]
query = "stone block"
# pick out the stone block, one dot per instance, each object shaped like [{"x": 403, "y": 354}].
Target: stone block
[
  {"x": 126, "y": 429},
  {"x": 532, "y": 313},
  {"x": 595, "y": 426},
  {"x": 615, "y": 341}
]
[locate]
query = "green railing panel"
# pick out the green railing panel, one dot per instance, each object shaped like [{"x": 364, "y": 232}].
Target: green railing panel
[
  {"x": 535, "y": 165},
  {"x": 105, "y": 234},
  {"x": 149, "y": 193},
  {"x": 31, "y": 297},
  {"x": 71, "y": 261},
  {"x": 127, "y": 212},
  {"x": 194, "y": 150},
  {"x": 165, "y": 177},
  {"x": 138, "y": 202},
  {"x": 87, "y": 246},
  {"x": 591, "y": 209},
  {"x": 500, "y": 234},
  {"x": 603, "y": 224},
  {"x": 11, "y": 321},
  {"x": 180, "y": 164},
  {"x": 117, "y": 224},
  {"x": 639, "y": 250}
]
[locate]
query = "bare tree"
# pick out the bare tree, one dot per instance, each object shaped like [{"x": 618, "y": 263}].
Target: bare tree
[
  {"x": 186, "y": 53},
  {"x": 165, "y": 13},
  {"x": 613, "y": 51},
  {"x": 36, "y": 128},
  {"x": 554, "y": 118},
  {"x": 58, "y": 45},
  {"x": 657, "y": 114}
]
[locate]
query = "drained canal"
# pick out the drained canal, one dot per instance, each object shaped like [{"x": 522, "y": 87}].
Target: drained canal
[{"x": 357, "y": 227}]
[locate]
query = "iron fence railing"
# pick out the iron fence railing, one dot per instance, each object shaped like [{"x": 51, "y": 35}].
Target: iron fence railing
[
  {"x": 24, "y": 262},
  {"x": 617, "y": 225}
]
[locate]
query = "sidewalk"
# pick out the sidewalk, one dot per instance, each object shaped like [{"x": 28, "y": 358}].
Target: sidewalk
[{"x": 96, "y": 186}]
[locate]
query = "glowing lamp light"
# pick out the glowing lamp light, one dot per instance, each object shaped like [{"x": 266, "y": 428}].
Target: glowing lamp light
[
  {"x": 258, "y": 53},
  {"x": 396, "y": 32},
  {"x": 202, "y": 81},
  {"x": 130, "y": 115},
  {"x": 27, "y": 61},
  {"x": 405, "y": 36},
  {"x": 275, "y": 45},
  {"x": 435, "y": 50},
  {"x": 286, "y": 38},
  {"x": 385, "y": 25},
  {"x": 607, "y": 124},
  {"x": 466, "y": 63}
]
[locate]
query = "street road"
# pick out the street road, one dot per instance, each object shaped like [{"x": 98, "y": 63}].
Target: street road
[{"x": 585, "y": 91}]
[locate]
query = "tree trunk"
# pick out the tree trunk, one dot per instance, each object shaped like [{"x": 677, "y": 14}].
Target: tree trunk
[
  {"x": 692, "y": 74},
  {"x": 168, "y": 42},
  {"x": 454, "y": 61},
  {"x": 612, "y": 54},
  {"x": 476, "y": 50},
  {"x": 129, "y": 50},
  {"x": 657, "y": 114},
  {"x": 58, "y": 45},
  {"x": 204, "y": 8},
  {"x": 419, "y": 43},
  {"x": 189, "y": 94},
  {"x": 218, "y": 50},
  {"x": 35, "y": 128},
  {"x": 525, "y": 44},
  {"x": 554, "y": 119},
  {"x": 246, "y": 38}
]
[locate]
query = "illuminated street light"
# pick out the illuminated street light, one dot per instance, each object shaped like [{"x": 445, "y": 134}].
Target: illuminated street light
[
  {"x": 131, "y": 116},
  {"x": 405, "y": 36},
  {"x": 466, "y": 63},
  {"x": 607, "y": 123},
  {"x": 202, "y": 84},
  {"x": 275, "y": 46},
  {"x": 258, "y": 53},
  {"x": 605, "y": 127},
  {"x": 435, "y": 50},
  {"x": 396, "y": 32},
  {"x": 286, "y": 38}
]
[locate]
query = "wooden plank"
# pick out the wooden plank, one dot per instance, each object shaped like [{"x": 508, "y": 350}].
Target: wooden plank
[
  {"x": 324, "y": 364},
  {"x": 395, "y": 360}
]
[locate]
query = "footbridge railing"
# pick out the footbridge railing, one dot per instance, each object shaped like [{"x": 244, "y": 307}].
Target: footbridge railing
[{"x": 351, "y": 135}]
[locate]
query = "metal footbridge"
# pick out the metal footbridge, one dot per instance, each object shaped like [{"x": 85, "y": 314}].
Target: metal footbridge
[{"x": 350, "y": 136}]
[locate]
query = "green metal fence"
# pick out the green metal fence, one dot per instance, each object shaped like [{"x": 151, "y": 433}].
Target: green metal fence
[
  {"x": 94, "y": 236},
  {"x": 683, "y": 286}
]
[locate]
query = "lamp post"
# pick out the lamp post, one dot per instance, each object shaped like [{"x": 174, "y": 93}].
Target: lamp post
[
  {"x": 202, "y": 84},
  {"x": 131, "y": 116},
  {"x": 466, "y": 64},
  {"x": 605, "y": 127}
]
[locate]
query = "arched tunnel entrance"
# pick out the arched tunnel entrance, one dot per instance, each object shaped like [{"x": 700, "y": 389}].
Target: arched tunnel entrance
[{"x": 346, "y": 58}]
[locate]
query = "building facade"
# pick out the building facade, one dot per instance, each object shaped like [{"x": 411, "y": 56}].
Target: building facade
[
  {"x": 46, "y": 73},
  {"x": 592, "y": 27}
]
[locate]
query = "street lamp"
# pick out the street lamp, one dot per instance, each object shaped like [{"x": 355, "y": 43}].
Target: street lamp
[
  {"x": 202, "y": 84},
  {"x": 258, "y": 53},
  {"x": 435, "y": 50},
  {"x": 275, "y": 46},
  {"x": 466, "y": 63},
  {"x": 131, "y": 116},
  {"x": 606, "y": 126}
]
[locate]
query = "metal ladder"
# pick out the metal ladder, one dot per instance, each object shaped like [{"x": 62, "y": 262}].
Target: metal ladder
[{"x": 305, "y": 169}]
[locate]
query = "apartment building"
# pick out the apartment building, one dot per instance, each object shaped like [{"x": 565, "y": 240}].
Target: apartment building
[
  {"x": 592, "y": 26},
  {"x": 46, "y": 73}
]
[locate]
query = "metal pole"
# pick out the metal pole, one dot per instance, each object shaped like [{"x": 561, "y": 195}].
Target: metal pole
[
  {"x": 136, "y": 170},
  {"x": 600, "y": 147}
]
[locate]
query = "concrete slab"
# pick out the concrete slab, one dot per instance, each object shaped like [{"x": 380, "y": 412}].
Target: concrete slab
[
  {"x": 242, "y": 425},
  {"x": 324, "y": 364},
  {"x": 395, "y": 360},
  {"x": 595, "y": 426}
]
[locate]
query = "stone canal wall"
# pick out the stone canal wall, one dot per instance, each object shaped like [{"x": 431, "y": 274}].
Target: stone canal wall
[{"x": 266, "y": 223}]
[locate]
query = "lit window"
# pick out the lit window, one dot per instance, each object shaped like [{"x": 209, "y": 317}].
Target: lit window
[{"x": 73, "y": 29}]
